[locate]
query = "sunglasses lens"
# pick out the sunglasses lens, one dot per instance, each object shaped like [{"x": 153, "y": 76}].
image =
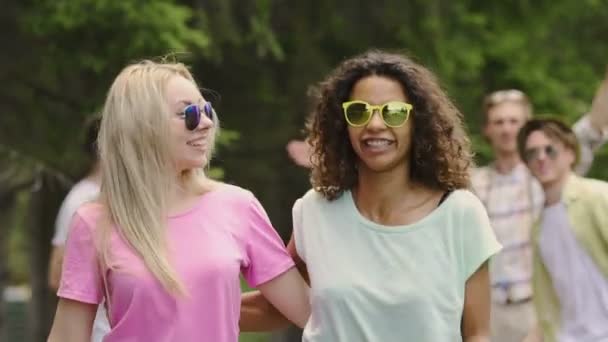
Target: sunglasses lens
[
  {"x": 534, "y": 153},
  {"x": 530, "y": 154},
  {"x": 208, "y": 110},
  {"x": 357, "y": 114},
  {"x": 551, "y": 152},
  {"x": 192, "y": 115},
  {"x": 395, "y": 113}
]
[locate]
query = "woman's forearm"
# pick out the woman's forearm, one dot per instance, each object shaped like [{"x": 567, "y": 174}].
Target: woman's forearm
[
  {"x": 257, "y": 314},
  {"x": 73, "y": 322}
]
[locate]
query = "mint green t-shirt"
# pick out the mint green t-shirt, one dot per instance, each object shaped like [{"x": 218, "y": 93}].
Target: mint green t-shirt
[{"x": 371, "y": 282}]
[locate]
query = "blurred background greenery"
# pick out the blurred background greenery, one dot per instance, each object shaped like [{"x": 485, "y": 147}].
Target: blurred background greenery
[{"x": 257, "y": 59}]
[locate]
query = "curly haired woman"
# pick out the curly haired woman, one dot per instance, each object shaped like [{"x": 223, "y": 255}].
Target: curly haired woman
[{"x": 393, "y": 245}]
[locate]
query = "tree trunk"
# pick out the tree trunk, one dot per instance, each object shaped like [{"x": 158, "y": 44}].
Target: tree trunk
[
  {"x": 7, "y": 203},
  {"x": 46, "y": 197}
]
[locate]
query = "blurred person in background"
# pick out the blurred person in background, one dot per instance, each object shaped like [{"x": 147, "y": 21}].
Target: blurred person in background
[
  {"x": 514, "y": 200},
  {"x": 86, "y": 190},
  {"x": 570, "y": 241}
]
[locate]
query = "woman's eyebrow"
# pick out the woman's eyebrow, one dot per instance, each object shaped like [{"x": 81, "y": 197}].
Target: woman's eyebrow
[{"x": 188, "y": 102}]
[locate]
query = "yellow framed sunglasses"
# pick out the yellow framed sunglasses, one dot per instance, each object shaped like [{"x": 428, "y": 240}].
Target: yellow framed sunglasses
[{"x": 359, "y": 113}]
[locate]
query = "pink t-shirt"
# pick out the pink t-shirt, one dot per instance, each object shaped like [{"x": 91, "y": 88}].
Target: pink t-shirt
[{"x": 225, "y": 234}]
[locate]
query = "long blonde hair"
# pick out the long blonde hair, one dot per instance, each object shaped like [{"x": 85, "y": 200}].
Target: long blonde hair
[{"x": 138, "y": 172}]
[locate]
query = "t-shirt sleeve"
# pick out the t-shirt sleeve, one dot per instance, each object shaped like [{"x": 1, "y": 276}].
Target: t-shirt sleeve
[
  {"x": 478, "y": 240},
  {"x": 80, "y": 278},
  {"x": 62, "y": 223},
  {"x": 298, "y": 235},
  {"x": 266, "y": 252}
]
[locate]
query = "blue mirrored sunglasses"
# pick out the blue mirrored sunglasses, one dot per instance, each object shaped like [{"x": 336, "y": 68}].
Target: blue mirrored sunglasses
[{"x": 192, "y": 114}]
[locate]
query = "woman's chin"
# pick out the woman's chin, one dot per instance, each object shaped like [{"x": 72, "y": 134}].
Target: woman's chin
[{"x": 198, "y": 163}]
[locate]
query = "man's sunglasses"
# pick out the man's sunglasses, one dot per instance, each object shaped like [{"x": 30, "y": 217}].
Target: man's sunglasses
[
  {"x": 531, "y": 154},
  {"x": 192, "y": 114},
  {"x": 359, "y": 113}
]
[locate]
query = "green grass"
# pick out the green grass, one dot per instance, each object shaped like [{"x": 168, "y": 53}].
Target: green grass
[{"x": 250, "y": 337}]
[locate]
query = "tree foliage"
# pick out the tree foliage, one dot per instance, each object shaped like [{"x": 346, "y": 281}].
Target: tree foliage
[{"x": 260, "y": 57}]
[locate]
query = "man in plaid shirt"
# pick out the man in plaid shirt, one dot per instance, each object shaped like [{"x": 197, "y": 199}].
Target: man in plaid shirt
[{"x": 514, "y": 200}]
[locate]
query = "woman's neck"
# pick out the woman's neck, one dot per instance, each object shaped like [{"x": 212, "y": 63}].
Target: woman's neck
[
  {"x": 186, "y": 189},
  {"x": 380, "y": 193}
]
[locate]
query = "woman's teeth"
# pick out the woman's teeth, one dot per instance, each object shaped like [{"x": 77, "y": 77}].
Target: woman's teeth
[{"x": 377, "y": 142}]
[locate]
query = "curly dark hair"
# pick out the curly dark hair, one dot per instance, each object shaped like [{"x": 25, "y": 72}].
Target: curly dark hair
[{"x": 440, "y": 155}]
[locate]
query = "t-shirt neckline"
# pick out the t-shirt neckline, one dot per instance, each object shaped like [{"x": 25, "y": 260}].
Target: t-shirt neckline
[{"x": 405, "y": 228}]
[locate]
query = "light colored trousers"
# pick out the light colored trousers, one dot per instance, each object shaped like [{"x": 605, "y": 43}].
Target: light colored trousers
[{"x": 511, "y": 322}]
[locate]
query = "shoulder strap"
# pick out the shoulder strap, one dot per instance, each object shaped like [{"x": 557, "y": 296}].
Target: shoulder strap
[{"x": 444, "y": 196}]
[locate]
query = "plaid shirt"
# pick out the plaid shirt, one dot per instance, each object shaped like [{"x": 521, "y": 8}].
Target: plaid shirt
[{"x": 514, "y": 202}]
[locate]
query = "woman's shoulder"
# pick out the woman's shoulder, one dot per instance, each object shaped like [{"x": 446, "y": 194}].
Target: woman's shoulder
[
  {"x": 315, "y": 198},
  {"x": 313, "y": 195},
  {"x": 313, "y": 201},
  {"x": 231, "y": 194},
  {"x": 232, "y": 190},
  {"x": 91, "y": 208},
  {"x": 90, "y": 213},
  {"x": 464, "y": 200}
]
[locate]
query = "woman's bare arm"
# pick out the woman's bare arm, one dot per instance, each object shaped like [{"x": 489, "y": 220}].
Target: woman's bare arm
[
  {"x": 257, "y": 312},
  {"x": 476, "y": 314},
  {"x": 73, "y": 321}
]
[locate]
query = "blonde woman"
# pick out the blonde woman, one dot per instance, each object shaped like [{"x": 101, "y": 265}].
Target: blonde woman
[{"x": 165, "y": 245}]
